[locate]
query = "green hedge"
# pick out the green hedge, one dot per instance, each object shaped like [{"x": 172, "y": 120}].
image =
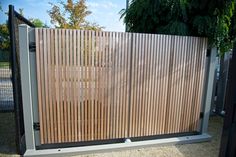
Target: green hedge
[
  {"x": 4, "y": 56},
  {"x": 4, "y": 64}
]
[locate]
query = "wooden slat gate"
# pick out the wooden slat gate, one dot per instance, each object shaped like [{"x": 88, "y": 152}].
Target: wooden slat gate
[{"x": 109, "y": 85}]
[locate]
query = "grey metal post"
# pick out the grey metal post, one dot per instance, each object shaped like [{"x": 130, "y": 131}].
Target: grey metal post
[
  {"x": 209, "y": 90},
  {"x": 34, "y": 88},
  {"x": 212, "y": 110},
  {"x": 221, "y": 92},
  {"x": 26, "y": 86}
]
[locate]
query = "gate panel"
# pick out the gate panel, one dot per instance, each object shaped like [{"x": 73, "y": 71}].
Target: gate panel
[
  {"x": 82, "y": 85},
  {"x": 167, "y": 84},
  {"x": 110, "y": 85}
]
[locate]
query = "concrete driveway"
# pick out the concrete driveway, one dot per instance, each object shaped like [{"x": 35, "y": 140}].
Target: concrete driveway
[{"x": 206, "y": 149}]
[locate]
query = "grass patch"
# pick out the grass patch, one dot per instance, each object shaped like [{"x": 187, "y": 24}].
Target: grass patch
[{"x": 4, "y": 64}]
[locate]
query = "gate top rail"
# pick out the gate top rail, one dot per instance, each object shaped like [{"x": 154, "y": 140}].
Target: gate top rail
[{"x": 140, "y": 33}]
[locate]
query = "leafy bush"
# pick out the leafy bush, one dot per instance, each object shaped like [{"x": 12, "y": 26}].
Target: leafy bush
[{"x": 204, "y": 18}]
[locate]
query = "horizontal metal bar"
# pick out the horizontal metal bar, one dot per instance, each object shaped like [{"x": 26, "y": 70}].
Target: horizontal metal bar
[
  {"x": 7, "y": 111},
  {"x": 118, "y": 146},
  {"x": 20, "y": 17},
  {"x": 112, "y": 141}
]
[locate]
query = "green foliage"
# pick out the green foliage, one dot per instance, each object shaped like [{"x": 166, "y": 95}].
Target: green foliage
[
  {"x": 38, "y": 22},
  {"x": 71, "y": 15},
  {"x": 4, "y": 37},
  {"x": 4, "y": 41},
  {"x": 4, "y": 64},
  {"x": 205, "y": 18},
  {"x": 4, "y": 56},
  {"x": 1, "y": 7},
  {"x": 21, "y": 11}
]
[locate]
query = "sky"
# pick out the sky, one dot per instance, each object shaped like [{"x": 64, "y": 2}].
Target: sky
[{"x": 104, "y": 12}]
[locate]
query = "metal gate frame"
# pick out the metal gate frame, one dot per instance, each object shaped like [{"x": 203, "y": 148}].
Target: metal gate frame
[
  {"x": 29, "y": 96},
  {"x": 15, "y": 68},
  {"x": 228, "y": 137}
]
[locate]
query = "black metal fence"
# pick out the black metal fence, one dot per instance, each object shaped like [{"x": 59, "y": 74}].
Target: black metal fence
[
  {"x": 14, "y": 20},
  {"x": 228, "y": 138},
  {"x": 6, "y": 89},
  {"x": 9, "y": 69}
]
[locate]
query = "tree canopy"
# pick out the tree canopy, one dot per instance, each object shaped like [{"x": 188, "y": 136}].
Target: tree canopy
[
  {"x": 37, "y": 22},
  {"x": 71, "y": 15},
  {"x": 205, "y": 18}
]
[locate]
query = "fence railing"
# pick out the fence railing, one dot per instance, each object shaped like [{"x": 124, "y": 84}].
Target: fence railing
[
  {"x": 9, "y": 75},
  {"x": 6, "y": 92},
  {"x": 15, "y": 19},
  {"x": 110, "y": 85}
]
